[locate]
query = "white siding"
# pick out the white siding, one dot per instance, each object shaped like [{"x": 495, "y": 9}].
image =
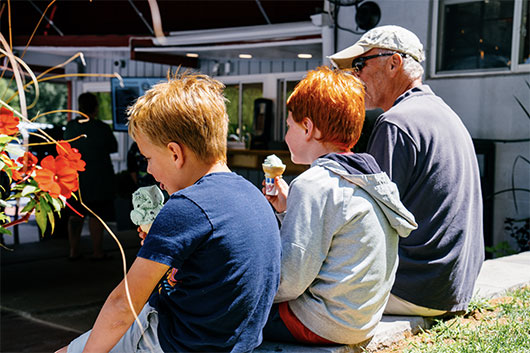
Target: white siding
[{"x": 486, "y": 105}]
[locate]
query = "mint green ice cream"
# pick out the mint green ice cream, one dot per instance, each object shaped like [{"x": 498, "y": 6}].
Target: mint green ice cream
[{"x": 147, "y": 202}]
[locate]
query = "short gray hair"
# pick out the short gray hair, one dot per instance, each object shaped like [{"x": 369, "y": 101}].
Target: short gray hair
[{"x": 412, "y": 68}]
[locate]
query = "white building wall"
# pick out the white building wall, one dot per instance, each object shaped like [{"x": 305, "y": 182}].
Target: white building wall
[
  {"x": 109, "y": 61},
  {"x": 486, "y": 105}
]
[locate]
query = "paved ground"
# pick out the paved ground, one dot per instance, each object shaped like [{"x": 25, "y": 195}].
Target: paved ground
[
  {"x": 40, "y": 286},
  {"x": 47, "y": 300}
]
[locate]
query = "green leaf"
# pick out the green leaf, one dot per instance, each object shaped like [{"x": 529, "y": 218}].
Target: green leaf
[
  {"x": 4, "y": 218},
  {"x": 4, "y": 230},
  {"x": 15, "y": 151},
  {"x": 45, "y": 206},
  {"x": 29, "y": 206},
  {"x": 51, "y": 218},
  {"x": 5, "y": 139},
  {"x": 28, "y": 189},
  {"x": 57, "y": 205},
  {"x": 48, "y": 197},
  {"x": 41, "y": 217},
  {"x": 16, "y": 196},
  {"x": 9, "y": 173}
]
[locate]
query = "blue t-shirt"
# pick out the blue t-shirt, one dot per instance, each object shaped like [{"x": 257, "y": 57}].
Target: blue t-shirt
[{"x": 221, "y": 239}]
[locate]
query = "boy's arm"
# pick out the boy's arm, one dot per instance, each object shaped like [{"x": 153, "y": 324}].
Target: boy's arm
[
  {"x": 116, "y": 317},
  {"x": 305, "y": 241}
]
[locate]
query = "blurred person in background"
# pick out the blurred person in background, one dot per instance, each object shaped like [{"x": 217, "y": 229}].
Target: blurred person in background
[{"x": 97, "y": 182}]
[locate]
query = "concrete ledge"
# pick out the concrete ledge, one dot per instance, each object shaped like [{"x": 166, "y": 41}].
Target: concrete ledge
[
  {"x": 496, "y": 277},
  {"x": 502, "y": 274},
  {"x": 275, "y": 347},
  {"x": 390, "y": 330}
]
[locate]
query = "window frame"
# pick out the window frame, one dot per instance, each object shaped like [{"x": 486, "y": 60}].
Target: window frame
[
  {"x": 436, "y": 34},
  {"x": 270, "y": 84},
  {"x": 124, "y": 141}
]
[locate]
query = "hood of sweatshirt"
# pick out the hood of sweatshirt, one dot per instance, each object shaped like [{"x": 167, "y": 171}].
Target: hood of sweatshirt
[{"x": 362, "y": 170}]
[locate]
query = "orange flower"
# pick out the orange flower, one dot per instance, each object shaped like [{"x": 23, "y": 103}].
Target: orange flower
[
  {"x": 8, "y": 122},
  {"x": 30, "y": 160},
  {"x": 57, "y": 177},
  {"x": 12, "y": 166},
  {"x": 71, "y": 154}
]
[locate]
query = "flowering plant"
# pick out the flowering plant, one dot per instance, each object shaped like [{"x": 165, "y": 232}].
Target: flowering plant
[
  {"x": 47, "y": 186},
  {"x": 50, "y": 184}
]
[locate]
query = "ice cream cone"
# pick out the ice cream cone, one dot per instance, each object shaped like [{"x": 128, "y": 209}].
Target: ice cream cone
[
  {"x": 145, "y": 227},
  {"x": 272, "y": 172},
  {"x": 147, "y": 202}
]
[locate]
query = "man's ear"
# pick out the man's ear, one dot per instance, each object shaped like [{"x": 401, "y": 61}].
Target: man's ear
[
  {"x": 394, "y": 63},
  {"x": 177, "y": 153}
]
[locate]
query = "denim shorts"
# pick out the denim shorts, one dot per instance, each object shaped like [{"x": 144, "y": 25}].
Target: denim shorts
[{"x": 136, "y": 339}]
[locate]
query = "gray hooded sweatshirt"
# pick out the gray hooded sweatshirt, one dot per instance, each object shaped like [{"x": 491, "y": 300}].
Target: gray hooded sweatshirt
[{"x": 339, "y": 246}]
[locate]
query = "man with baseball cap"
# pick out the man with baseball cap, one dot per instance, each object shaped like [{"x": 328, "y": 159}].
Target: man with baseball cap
[{"x": 426, "y": 150}]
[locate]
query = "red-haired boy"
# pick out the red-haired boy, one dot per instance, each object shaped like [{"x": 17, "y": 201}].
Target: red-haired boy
[{"x": 341, "y": 220}]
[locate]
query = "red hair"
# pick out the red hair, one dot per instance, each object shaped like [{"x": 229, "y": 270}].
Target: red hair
[{"x": 334, "y": 101}]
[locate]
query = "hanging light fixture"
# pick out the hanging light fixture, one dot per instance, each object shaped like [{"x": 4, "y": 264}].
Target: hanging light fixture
[{"x": 367, "y": 15}]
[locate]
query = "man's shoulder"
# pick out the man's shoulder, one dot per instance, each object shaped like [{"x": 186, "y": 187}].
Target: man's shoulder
[
  {"x": 72, "y": 124},
  {"x": 416, "y": 112},
  {"x": 101, "y": 125}
]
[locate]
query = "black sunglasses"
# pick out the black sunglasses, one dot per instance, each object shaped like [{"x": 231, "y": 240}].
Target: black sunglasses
[{"x": 358, "y": 64}]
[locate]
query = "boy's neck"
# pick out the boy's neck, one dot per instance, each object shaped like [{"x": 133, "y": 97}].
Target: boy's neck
[
  {"x": 218, "y": 167},
  {"x": 200, "y": 169},
  {"x": 319, "y": 149}
]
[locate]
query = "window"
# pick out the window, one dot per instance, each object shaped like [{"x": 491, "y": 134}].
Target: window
[
  {"x": 52, "y": 96},
  {"x": 479, "y": 35},
  {"x": 240, "y": 108},
  {"x": 102, "y": 91},
  {"x": 285, "y": 88},
  {"x": 104, "y": 106},
  {"x": 242, "y": 92},
  {"x": 524, "y": 43}
]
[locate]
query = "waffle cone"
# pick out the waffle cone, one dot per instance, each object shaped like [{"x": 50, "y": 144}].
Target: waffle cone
[
  {"x": 272, "y": 172},
  {"x": 145, "y": 227}
]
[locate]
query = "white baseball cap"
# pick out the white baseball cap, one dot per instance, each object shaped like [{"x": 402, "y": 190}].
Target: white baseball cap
[{"x": 385, "y": 37}]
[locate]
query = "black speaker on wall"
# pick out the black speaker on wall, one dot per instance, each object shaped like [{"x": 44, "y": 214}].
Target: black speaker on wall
[{"x": 262, "y": 125}]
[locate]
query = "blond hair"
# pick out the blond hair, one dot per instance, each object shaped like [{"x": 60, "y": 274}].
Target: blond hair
[
  {"x": 188, "y": 109},
  {"x": 334, "y": 101}
]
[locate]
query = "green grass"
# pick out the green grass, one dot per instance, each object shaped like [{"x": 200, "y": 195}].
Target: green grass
[{"x": 498, "y": 325}]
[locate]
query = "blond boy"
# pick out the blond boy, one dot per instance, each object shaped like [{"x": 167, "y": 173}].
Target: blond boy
[{"x": 209, "y": 267}]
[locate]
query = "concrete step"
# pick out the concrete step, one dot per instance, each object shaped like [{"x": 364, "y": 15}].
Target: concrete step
[
  {"x": 502, "y": 274},
  {"x": 496, "y": 277},
  {"x": 391, "y": 329}
]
